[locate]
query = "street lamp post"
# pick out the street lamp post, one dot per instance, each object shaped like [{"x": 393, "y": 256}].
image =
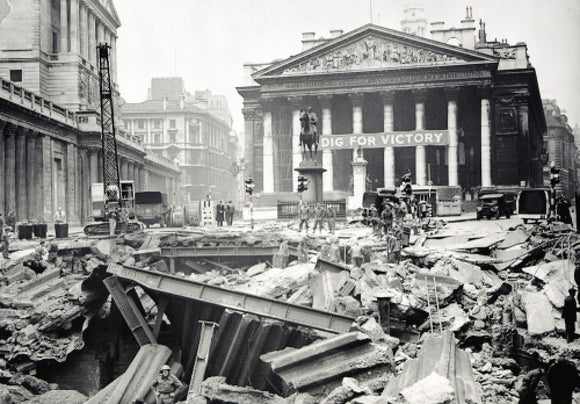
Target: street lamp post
[{"x": 249, "y": 189}]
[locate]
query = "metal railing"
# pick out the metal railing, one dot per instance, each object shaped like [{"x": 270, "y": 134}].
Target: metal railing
[
  {"x": 28, "y": 99},
  {"x": 289, "y": 210}
]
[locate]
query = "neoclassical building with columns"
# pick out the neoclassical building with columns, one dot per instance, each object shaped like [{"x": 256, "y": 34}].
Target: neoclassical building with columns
[
  {"x": 50, "y": 134},
  {"x": 457, "y": 117}
]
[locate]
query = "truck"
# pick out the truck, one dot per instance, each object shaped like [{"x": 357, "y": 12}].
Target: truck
[
  {"x": 151, "y": 207},
  {"x": 534, "y": 204}
]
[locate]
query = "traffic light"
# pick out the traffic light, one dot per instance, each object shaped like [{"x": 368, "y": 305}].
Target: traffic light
[
  {"x": 250, "y": 186},
  {"x": 302, "y": 183},
  {"x": 406, "y": 184},
  {"x": 554, "y": 175}
]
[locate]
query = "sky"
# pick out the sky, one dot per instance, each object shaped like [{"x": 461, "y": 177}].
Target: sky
[{"x": 207, "y": 41}]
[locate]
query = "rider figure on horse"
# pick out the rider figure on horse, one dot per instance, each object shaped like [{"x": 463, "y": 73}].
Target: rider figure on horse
[{"x": 308, "y": 122}]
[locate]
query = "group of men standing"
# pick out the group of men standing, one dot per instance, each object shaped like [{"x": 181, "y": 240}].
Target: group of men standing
[
  {"x": 390, "y": 219},
  {"x": 225, "y": 212},
  {"x": 319, "y": 215}
]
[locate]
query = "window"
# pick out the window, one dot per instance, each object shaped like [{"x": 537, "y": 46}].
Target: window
[
  {"x": 157, "y": 124},
  {"x": 172, "y": 123},
  {"x": 157, "y": 138},
  {"x": 140, "y": 124},
  {"x": 16, "y": 75},
  {"x": 172, "y": 138}
]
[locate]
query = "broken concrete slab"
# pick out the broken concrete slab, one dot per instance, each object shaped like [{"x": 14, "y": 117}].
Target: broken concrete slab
[
  {"x": 512, "y": 238},
  {"x": 438, "y": 354},
  {"x": 217, "y": 390},
  {"x": 538, "y": 313},
  {"x": 60, "y": 397},
  {"x": 321, "y": 365},
  {"x": 433, "y": 389}
]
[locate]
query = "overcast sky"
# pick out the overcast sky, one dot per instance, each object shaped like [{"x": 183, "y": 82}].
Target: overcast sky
[{"x": 207, "y": 41}]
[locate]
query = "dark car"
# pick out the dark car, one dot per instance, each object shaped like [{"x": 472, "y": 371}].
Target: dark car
[{"x": 495, "y": 205}]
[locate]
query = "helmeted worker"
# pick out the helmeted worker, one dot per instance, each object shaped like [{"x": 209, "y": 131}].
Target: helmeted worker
[
  {"x": 319, "y": 217},
  {"x": 165, "y": 386},
  {"x": 303, "y": 215}
]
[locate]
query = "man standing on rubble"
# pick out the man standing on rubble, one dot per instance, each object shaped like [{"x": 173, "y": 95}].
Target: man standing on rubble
[
  {"x": 303, "y": 215},
  {"x": 165, "y": 386},
  {"x": 319, "y": 217},
  {"x": 569, "y": 315}
]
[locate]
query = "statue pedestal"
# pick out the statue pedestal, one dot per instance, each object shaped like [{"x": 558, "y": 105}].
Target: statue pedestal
[
  {"x": 359, "y": 175},
  {"x": 313, "y": 172}
]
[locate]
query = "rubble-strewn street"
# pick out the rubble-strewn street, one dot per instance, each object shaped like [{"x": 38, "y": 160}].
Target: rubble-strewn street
[{"x": 463, "y": 314}]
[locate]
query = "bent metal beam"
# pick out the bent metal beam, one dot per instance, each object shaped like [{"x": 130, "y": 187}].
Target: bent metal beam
[{"x": 232, "y": 299}]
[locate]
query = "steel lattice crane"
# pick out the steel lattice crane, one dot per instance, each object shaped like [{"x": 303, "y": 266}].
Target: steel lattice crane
[{"x": 117, "y": 196}]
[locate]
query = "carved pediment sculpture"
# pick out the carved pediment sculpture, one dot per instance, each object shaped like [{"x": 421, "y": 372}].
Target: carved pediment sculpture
[{"x": 372, "y": 52}]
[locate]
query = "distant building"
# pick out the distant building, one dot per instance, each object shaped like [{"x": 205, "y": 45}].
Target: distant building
[
  {"x": 194, "y": 131},
  {"x": 50, "y": 134},
  {"x": 461, "y": 113},
  {"x": 561, "y": 149}
]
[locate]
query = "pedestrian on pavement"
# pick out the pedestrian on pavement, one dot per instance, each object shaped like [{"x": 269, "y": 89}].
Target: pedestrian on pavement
[
  {"x": 331, "y": 219},
  {"x": 302, "y": 252},
  {"x": 562, "y": 377},
  {"x": 4, "y": 244},
  {"x": 303, "y": 215},
  {"x": 60, "y": 216},
  {"x": 230, "y": 210},
  {"x": 113, "y": 220},
  {"x": 11, "y": 219},
  {"x": 577, "y": 279},
  {"x": 356, "y": 257},
  {"x": 220, "y": 213},
  {"x": 387, "y": 218},
  {"x": 284, "y": 253},
  {"x": 166, "y": 386},
  {"x": 569, "y": 315},
  {"x": 319, "y": 217},
  {"x": 334, "y": 251}
]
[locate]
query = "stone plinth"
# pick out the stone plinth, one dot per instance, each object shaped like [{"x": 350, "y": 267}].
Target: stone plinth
[
  {"x": 313, "y": 172},
  {"x": 359, "y": 173}
]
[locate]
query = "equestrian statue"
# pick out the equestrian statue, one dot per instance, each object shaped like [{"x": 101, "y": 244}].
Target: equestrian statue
[{"x": 308, "y": 132}]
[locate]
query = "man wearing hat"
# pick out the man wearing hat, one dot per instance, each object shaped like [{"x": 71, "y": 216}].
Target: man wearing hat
[
  {"x": 569, "y": 315},
  {"x": 165, "y": 386}
]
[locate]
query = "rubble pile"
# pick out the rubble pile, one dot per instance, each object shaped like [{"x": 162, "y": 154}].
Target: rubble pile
[{"x": 492, "y": 302}]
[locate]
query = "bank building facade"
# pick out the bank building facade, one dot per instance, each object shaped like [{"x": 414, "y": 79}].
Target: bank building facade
[{"x": 459, "y": 117}]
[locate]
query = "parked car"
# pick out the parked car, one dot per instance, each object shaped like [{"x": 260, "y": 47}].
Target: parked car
[{"x": 494, "y": 205}]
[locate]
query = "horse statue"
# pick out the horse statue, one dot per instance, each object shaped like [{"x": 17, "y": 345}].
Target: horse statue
[{"x": 308, "y": 132}]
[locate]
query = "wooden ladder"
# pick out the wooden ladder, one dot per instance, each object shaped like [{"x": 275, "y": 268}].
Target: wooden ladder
[{"x": 432, "y": 295}]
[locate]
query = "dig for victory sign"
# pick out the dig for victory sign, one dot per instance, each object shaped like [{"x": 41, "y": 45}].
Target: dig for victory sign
[{"x": 385, "y": 139}]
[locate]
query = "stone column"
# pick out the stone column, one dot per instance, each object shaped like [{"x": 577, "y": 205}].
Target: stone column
[
  {"x": 31, "y": 163},
  {"x": 39, "y": 189},
  {"x": 136, "y": 175},
  {"x": 114, "y": 58},
  {"x": 146, "y": 183},
  {"x": 93, "y": 165},
  {"x": 10, "y": 132},
  {"x": 45, "y": 143},
  {"x": 71, "y": 190},
  {"x": 420, "y": 154},
  {"x": 100, "y": 31},
  {"x": 485, "y": 143},
  {"x": 389, "y": 151},
  {"x": 91, "y": 36},
  {"x": 74, "y": 26},
  {"x": 63, "y": 27},
  {"x": 327, "y": 160},
  {"x": 124, "y": 172},
  {"x": 85, "y": 186},
  {"x": 21, "y": 205},
  {"x": 359, "y": 168},
  {"x": 296, "y": 103},
  {"x": 130, "y": 168},
  {"x": 3, "y": 124},
  {"x": 453, "y": 165},
  {"x": 141, "y": 172},
  {"x": 84, "y": 33},
  {"x": 357, "y": 116},
  {"x": 268, "y": 151},
  {"x": 249, "y": 128}
]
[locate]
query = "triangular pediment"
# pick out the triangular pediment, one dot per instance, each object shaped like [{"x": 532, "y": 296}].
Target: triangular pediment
[{"x": 373, "y": 48}]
